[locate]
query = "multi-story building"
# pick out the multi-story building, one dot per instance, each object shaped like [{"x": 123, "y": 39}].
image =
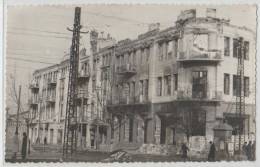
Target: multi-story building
[
  {"x": 48, "y": 97},
  {"x": 175, "y": 85},
  {"x": 157, "y": 91}
]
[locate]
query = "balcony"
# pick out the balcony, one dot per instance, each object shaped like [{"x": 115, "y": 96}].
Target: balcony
[
  {"x": 52, "y": 82},
  {"x": 186, "y": 95},
  {"x": 82, "y": 95},
  {"x": 33, "y": 101},
  {"x": 197, "y": 55},
  {"x": 51, "y": 99},
  {"x": 34, "y": 86},
  {"x": 127, "y": 69},
  {"x": 83, "y": 75}
]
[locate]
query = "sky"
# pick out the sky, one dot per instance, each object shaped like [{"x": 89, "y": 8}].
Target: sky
[{"x": 37, "y": 36}]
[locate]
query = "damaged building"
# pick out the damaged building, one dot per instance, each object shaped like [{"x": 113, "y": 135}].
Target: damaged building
[{"x": 153, "y": 93}]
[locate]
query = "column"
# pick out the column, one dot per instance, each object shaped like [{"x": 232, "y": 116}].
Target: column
[{"x": 88, "y": 142}]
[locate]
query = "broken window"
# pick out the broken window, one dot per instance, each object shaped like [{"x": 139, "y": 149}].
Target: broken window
[
  {"x": 246, "y": 50},
  {"x": 200, "y": 41},
  {"x": 226, "y": 46},
  {"x": 147, "y": 53},
  {"x": 246, "y": 86},
  {"x": 199, "y": 85},
  {"x": 167, "y": 83},
  {"x": 160, "y": 50},
  {"x": 226, "y": 84},
  {"x": 235, "y": 47},
  {"x": 175, "y": 81},
  {"x": 169, "y": 50},
  {"x": 159, "y": 86}
]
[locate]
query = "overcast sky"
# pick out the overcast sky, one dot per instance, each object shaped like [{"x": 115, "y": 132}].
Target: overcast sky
[{"x": 37, "y": 36}]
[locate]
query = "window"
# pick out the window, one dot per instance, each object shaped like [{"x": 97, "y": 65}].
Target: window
[
  {"x": 147, "y": 53},
  {"x": 175, "y": 81},
  {"x": 199, "y": 84},
  {"x": 201, "y": 41},
  {"x": 134, "y": 57},
  {"x": 226, "y": 84},
  {"x": 159, "y": 86},
  {"x": 146, "y": 88},
  {"x": 160, "y": 51},
  {"x": 141, "y": 88},
  {"x": 236, "y": 87},
  {"x": 142, "y": 56},
  {"x": 167, "y": 83},
  {"x": 246, "y": 50},
  {"x": 175, "y": 48},
  {"x": 235, "y": 47},
  {"x": 226, "y": 46},
  {"x": 246, "y": 86},
  {"x": 169, "y": 49}
]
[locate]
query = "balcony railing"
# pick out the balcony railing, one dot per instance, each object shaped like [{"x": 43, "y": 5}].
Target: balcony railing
[
  {"x": 83, "y": 75},
  {"x": 208, "y": 96},
  {"x": 51, "y": 98},
  {"x": 33, "y": 101},
  {"x": 52, "y": 82},
  {"x": 199, "y": 55},
  {"x": 34, "y": 86},
  {"x": 126, "y": 69},
  {"x": 129, "y": 100},
  {"x": 82, "y": 94}
]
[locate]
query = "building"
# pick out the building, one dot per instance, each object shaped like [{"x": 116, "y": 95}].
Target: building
[
  {"x": 155, "y": 92},
  {"x": 48, "y": 97},
  {"x": 175, "y": 85}
]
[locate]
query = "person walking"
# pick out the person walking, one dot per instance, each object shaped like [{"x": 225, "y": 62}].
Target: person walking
[
  {"x": 249, "y": 150},
  {"x": 44, "y": 143},
  {"x": 244, "y": 148},
  {"x": 212, "y": 152},
  {"x": 24, "y": 146},
  {"x": 185, "y": 150}
]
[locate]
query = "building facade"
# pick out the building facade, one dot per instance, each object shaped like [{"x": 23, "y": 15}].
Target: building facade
[{"x": 157, "y": 91}]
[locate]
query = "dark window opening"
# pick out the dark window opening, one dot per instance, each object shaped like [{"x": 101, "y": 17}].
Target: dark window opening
[
  {"x": 199, "y": 85},
  {"x": 226, "y": 84},
  {"x": 131, "y": 126}
]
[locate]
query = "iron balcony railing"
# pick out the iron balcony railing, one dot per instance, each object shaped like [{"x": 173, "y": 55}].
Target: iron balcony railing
[
  {"x": 83, "y": 74},
  {"x": 126, "y": 69},
  {"x": 34, "y": 86},
  {"x": 210, "y": 55},
  {"x": 196, "y": 95}
]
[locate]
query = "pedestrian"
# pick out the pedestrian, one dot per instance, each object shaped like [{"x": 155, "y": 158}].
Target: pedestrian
[
  {"x": 212, "y": 151},
  {"x": 244, "y": 148},
  {"x": 185, "y": 150},
  {"x": 253, "y": 151},
  {"x": 249, "y": 150},
  {"x": 44, "y": 143},
  {"x": 24, "y": 146}
]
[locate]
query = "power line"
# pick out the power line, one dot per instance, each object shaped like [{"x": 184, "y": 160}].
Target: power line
[
  {"x": 28, "y": 60},
  {"x": 39, "y": 35},
  {"x": 37, "y": 30},
  {"x": 35, "y": 56}
]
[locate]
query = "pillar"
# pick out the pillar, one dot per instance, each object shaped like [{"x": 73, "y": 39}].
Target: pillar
[{"x": 88, "y": 142}]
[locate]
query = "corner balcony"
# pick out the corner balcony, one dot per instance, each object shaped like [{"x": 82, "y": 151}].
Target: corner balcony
[
  {"x": 127, "y": 69},
  {"x": 34, "y": 86},
  {"x": 52, "y": 82},
  {"x": 51, "y": 99},
  {"x": 210, "y": 96},
  {"x": 198, "y": 55},
  {"x": 83, "y": 75}
]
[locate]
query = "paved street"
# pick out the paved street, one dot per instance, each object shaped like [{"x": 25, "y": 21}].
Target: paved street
[{"x": 93, "y": 156}]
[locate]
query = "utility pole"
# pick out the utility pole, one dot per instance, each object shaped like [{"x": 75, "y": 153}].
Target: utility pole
[
  {"x": 240, "y": 100},
  {"x": 17, "y": 118},
  {"x": 70, "y": 129}
]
